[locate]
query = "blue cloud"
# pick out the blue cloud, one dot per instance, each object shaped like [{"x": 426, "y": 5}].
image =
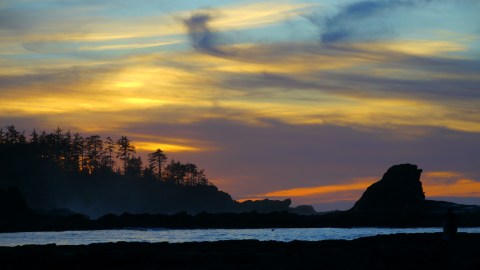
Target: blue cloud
[
  {"x": 202, "y": 38},
  {"x": 361, "y": 20}
]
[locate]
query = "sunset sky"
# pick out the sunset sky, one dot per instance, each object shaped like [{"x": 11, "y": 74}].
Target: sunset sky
[{"x": 309, "y": 100}]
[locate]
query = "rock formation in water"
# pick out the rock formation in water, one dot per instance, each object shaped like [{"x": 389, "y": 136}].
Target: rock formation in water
[{"x": 400, "y": 189}]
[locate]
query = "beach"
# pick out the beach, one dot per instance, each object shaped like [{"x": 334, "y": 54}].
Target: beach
[{"x": 399, "y": 251}]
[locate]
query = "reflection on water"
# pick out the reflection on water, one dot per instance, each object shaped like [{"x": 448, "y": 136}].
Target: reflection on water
[{"x": 180, "y": 236}]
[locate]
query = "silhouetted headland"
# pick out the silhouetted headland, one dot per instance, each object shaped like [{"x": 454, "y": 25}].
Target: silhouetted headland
[
  {"x": 59, "y": 180},
  {"x": 380, "y": 205},
  {"x": 95, "y": 176}
]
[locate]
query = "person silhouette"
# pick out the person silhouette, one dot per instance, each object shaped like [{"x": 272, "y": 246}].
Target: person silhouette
[{"x": 450, "y": 226}]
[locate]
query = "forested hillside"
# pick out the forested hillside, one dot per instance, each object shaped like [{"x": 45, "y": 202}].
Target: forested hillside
[{"x": 95, "y": 176}]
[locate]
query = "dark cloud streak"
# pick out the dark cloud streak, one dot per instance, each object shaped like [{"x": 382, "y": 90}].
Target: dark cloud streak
[
  {"x": 360, "y": 20},
  {"x": 54, "y": 80},
  {"x": 461, "y": 83},
  {"x": 201, "y": 36},
  {"x": 343, "y": 26}
]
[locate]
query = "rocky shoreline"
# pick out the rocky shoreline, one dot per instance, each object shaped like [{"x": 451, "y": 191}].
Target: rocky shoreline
[
  {"x": 397, "y": 200},
  {"x": 399, "y": 251}
]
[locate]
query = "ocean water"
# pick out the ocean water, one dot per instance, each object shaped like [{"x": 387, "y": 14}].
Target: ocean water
[{"x": 200, "y": 235}]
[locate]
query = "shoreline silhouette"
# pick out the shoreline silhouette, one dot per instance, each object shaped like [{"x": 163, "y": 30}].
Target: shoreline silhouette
[
  {"x": 65, "y": 173},
  {"x": 396, "y": 200},
  {"x": 400, "y": 251}
]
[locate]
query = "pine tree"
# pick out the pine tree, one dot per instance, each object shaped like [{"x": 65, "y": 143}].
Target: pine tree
[
  {"x": 77, "y": 152},
  {"x": 134, "y": 167},
  {"x": 156, "y": 160},
  {"x": 94, "y": 150},
  {"x": 12, "y": 136},
  {"x": 125, "y": 149},
  {"x": 109, "y": 149},
  {"x": 34, "y": 138}
]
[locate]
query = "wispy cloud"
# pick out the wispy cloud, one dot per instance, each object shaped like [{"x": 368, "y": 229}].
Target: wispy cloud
[
  {"x": 388, "y": 75},
  {"x": 207, "y": 40},
  {"x": 202, "y": 37},
  {"x": 379, "y": 88},
  {"x": 352, "y": 189},
  {"x": 450, "y": 184},
  {"x": 435, "y": 184},
  {"x": 363, "y": 20},
  {"x": 125, "y": 46},
  {"x": 308, "y": 85}
]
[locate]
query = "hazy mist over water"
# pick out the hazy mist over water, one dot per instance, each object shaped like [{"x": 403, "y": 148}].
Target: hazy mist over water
[{"x": 201, "y": 235}]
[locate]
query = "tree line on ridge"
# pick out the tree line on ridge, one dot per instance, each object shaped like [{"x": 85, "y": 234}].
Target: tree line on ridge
[{"x": 92, "y": 155}]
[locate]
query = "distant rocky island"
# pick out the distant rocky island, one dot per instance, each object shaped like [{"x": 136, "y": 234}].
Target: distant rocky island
[
  {"x": 398, "y": 197},
  {"x": 63, "y": 180},
  {"x": 396, "y": 200}
]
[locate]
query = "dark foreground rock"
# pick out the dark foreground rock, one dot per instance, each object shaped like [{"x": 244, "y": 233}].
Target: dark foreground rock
[{"x": 401, "y": 251}]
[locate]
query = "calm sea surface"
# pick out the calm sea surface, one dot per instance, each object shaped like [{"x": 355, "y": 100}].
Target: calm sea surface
[{"x": 180, "y": 236}]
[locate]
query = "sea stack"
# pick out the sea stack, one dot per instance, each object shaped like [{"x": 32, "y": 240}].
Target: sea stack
[{"x": 399, "y": 190}]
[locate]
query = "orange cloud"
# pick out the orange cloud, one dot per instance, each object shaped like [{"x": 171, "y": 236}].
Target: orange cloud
[
  {"x": 319, "y": 190},
  {"x": 167, "y": 147},
  {"x": 460, "y": 188},
  {"x": 326, "y": 193},
  {"x": 435, "y": 184},
  {"x": 450, "y": 184},
  {"x": 150, "y": 143}
]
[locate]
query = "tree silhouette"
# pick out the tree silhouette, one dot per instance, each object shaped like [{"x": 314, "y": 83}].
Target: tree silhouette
[
  {"x": 110, "y": 149},
  {"x": 34, "y": 137},
  {"x": 12, "y": 136},
  {"x": 134, "y": 167},
  {"x": 77, "y": 152},
  {"x": 148, "y": 173},
  {"x": 81, "y": 157},
  {"x": 156, "y": 160},
  {"x": 125, "y": 148},
  {"x": 186, "y": 174},
  {"x": 67, "y": 152},
  {"x": 94, "y": 152},
  {"x": 194, "y": 177},
  {"x": 175, "y": 172},
  {"x": 56, "y": 141}
]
